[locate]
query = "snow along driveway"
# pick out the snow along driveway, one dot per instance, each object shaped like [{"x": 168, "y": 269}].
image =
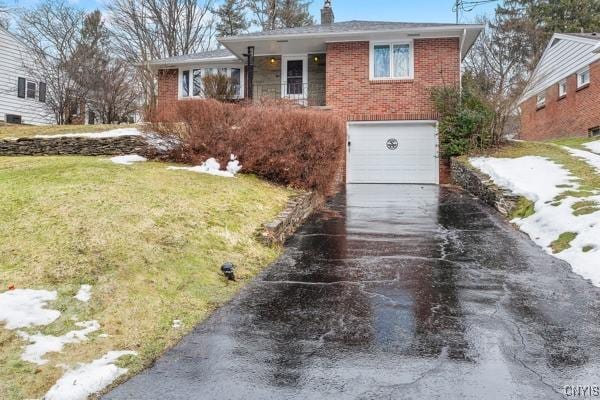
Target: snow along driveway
[{"x": 541, "y": 180}]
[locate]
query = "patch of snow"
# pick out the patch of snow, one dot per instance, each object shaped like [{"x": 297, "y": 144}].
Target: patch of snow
[
  {"x": 80, "y": 382},
  {"x": 161, "y": 143},
  {"x": 212, "y": 167},
  {"x": 43, "y": 344},
  {"x": 233, "y": 165},
  {"x": 591, "y": 158},
  {"x": 97, "y": 135},
  {"x": 128, "y": 159},
  {"x": 22, "y": 308},
  {"x": 84, "y": 294},
  {"x": 537, "y": 178},
  {"x": 593, "y": 146},
  {"x": 522, "y": 176},
  {"x": 177, "y": 323}
]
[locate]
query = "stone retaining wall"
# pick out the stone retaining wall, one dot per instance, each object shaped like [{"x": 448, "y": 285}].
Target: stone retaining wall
[
  {"x": 296, "y": 212},
  {"x": 84, "y": 146},
  {"x": 481, "y": 186}
]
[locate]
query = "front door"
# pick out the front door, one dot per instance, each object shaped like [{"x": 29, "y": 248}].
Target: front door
[{"x": 293, "y": 76}]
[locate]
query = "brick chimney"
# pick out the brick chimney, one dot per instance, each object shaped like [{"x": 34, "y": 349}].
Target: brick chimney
[{"x": 327, "y": 17}]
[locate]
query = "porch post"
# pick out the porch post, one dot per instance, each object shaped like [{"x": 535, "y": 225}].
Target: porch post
[{"x": 249, "y": 84}]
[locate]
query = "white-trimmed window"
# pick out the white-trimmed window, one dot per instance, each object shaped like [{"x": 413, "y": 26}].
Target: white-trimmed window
[
  {"x": 391, "y": 60},
  {"x": 190, "y": 80},
  {"x": 583, "y": 77},
  {"x": 541, "y": 100},
  {"x": 562, "y": 88}
]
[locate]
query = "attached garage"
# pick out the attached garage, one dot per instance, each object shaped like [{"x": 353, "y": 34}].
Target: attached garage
[{"x": 393, "y": 152}]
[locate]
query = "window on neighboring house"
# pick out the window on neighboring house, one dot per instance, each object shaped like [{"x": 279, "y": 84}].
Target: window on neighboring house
[
  {"x": 391, "y": 61},
  {"x": 541, "y": 100},
  {"x": 583, "y": 78},
  {"x": 21, "y": 87},
  {"x": 31, "y": 87},
  {"x": 185, "y": 83},
  {"x": 594, "y": 132},
  {"x": 197, "y": 77},
  {"x": 42, "y": 92},
  {"x": 562, "y": 88}
]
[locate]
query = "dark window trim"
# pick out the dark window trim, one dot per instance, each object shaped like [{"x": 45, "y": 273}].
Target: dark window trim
[
  {"x": 42, "y": 93},
  {"x": 594, "y": 132},
  {"x": 34, "y": 89}
]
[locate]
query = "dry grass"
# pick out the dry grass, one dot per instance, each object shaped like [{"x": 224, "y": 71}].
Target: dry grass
[
  {"x": 14, "y": 130},
  {"x": 150, "y": 242}
]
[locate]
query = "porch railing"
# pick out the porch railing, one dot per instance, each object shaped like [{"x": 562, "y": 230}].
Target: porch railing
[{"x": 306, "y": 94}]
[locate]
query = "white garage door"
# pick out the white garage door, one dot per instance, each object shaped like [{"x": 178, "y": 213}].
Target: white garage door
[{"x": 392, "y": 152}]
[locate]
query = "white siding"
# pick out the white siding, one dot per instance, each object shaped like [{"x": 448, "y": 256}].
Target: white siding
[
  {"x": 564, "y": 57},
  {"x": 12, "y": 58}
]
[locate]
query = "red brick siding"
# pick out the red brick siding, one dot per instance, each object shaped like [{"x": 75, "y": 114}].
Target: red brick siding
[
  {"x": 349, "y": 89},
  {"x": 572, "y": 115},
  {"x": 168, "y": 80}
]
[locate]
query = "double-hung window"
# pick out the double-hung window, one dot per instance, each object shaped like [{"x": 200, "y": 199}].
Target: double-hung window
[
  {"x": 391, "y": 60},
  {"x": 541, "y": 100},
  {"x": 583, "y": 78},
  {"x": 562, "y": 88}
]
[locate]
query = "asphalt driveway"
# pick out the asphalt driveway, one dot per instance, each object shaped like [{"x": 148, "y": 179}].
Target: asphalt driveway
[{"x": 394, "y": 292}]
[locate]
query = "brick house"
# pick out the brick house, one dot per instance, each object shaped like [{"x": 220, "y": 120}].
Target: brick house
[
  {"x": 377, "y": 75},
  {"x": 562, "y": 98}
]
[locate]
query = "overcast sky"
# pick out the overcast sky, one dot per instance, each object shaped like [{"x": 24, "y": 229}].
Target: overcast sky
[{"x": 375, "y": 10}]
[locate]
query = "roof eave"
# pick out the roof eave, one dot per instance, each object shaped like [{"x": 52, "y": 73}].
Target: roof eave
[{"x": 328, "y": 35}]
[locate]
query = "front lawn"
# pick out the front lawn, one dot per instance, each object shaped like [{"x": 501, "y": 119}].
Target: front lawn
[
  {"x": 148, "y": 240},
  {"x": 18, "y": 131}
]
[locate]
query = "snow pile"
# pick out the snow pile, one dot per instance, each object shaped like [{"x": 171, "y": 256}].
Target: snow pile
[
  {"x": 523, "y": 176},
  {"x": 86, "y": 379},
  {"x": 42, "y": 344},
  {"x": 177, "y": 323},
  {"x": 22, "y": 308},
  {"x": 593, "y": 146},
  {"x": 537, "y": 178},
  {"x": 84, "y": 294},
  {"x": 97, "y": 135},
  {"x": 591, "y": 158},
  {"x": 128, "y": 159},
  {"x": 212, "y": 167}
]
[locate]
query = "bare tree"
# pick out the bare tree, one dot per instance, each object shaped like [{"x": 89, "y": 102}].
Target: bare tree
[
  {"x": 496, "y": 69},
  {"x": 4, "y": 14},
  {"x": 115, "y": 98},
  {"x": 145, "y": 30},
  {"x": 265, "y": 13},
  {"x": 52, "y": 32}
]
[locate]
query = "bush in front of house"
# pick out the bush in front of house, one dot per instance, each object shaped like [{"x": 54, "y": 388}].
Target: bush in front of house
[
  {"x": 280, "y": 142},
  {"x": 466, "y": 122}
]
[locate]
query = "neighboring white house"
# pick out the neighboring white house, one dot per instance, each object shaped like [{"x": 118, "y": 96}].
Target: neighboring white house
[{"x": 22, "y": 98}]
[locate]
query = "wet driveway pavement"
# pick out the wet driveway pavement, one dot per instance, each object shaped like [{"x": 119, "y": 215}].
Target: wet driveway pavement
[{"x": 394, "y": 292}]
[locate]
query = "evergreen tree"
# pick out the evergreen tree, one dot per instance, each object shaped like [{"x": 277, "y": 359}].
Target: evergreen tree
[
  {"x": 274, "y": 14},
  {"x": 232, "y": 18}
]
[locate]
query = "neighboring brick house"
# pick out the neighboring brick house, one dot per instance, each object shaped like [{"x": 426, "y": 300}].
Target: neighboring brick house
[
  {"x": 563, "y": 96},
  {"x": 378, "y": 75}
]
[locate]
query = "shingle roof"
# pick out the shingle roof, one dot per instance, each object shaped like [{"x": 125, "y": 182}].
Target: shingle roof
[
  {"x": 340, "y": 27},
  {"x": 205, "y": 55},
  {"x": 595, "y": 36}
]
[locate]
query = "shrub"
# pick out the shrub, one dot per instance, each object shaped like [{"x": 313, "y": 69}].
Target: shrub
[
  {"x": 281, "y": 142},
  {"x": 218, "y": 86},
  {"x": 466, "y": 122}
]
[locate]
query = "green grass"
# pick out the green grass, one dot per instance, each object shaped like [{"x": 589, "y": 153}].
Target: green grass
[
  {"x": 576, "y": 143},
  {"x": 523, "y": 209},
  {"x": 15, "y": 130},
  {"x": 563, "y": 242},
  {"x": 585, "y": 207},
  {"x": 588, "y": 248},
  {"x": 150, "y": 242}
]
